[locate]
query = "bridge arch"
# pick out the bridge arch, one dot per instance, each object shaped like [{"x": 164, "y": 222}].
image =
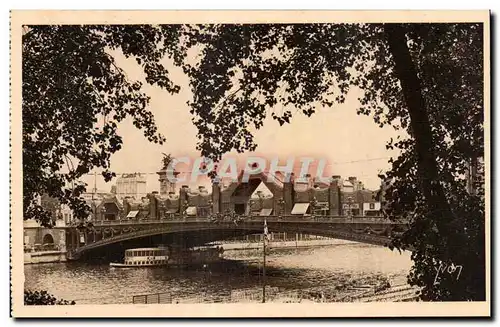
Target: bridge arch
[{"x": 208, "y": 232}]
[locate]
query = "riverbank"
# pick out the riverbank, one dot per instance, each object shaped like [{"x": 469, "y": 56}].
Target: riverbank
[
  {"x": 44, "y": 257},
  {"x": 398, "y": 293},
  {"x": 238, "y": 246},
  {"x": 60, "y": 256}
]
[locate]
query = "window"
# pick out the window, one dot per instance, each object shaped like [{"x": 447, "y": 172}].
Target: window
[{"x": 372, "y": 206}]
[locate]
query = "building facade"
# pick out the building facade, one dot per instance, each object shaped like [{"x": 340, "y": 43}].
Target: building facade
[
  {"x": 307, "y": 197},
  {"x": 131, "y": 185}
]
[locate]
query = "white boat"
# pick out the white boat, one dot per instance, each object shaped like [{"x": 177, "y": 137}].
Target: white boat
[
  {"x": 144, "y": 257},
  {"x": 163, "y": 256}
]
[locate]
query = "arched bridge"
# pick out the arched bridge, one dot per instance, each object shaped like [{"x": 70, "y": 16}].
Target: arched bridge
[{"x": 199, "y": 231}]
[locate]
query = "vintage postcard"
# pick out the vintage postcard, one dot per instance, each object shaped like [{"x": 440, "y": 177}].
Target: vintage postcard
[{"x": 250, "y": 163}]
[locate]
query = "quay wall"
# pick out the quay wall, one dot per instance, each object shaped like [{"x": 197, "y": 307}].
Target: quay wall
[{"x": 44, "y": 257}]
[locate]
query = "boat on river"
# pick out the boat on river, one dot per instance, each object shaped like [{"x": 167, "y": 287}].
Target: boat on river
[
  {"x": 143, "y": 257},
  {"x": 165, "y": 256}
]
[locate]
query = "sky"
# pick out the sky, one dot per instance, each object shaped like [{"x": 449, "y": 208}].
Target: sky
[{"x": 352, "y": 145}]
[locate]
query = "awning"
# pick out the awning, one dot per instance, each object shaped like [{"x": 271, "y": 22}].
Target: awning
[
  {"x": 132, "y": 214},
  {"x": 174, "y": 210},
  {"x": 266, "y": 212},
  {"x": 300, "y": 208},
  {"x": 191, "y": 211}
]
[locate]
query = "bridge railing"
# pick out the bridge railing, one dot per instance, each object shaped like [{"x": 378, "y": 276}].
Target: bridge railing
[{"x": 242, "y": 219}]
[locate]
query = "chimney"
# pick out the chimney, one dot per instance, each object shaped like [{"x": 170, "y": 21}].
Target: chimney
[
  {"x": 334, "y": 196},
  {"x": 183, "y": 198},
  {"x": 153, "y": 206},
  {"x": 288, "y": 194},
  {"x": 216, "y": 197},
  {"x": 126, "y": 205}
]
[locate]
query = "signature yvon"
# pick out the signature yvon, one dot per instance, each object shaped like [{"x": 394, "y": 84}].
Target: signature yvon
[{"x": 452, "y": 269}]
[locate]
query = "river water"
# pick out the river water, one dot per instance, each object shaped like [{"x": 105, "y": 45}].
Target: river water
[{"x": 336, "y": 268}]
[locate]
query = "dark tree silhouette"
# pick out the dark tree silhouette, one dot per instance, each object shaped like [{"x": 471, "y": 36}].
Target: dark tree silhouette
[
  {"x": 425, "y": 79},
  {"x": 74, "y": 97},
  {"x": 43, "y": 298}
]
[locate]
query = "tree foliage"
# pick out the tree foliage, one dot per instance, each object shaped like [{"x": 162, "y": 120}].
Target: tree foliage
[
  {"x": 43, "y": 298},
  {"x": 74, "y": 97},
  {"x": 424, "y": 79}
]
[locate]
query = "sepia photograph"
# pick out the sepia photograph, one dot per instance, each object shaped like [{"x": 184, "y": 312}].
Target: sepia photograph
[{"x": 250, "y": 163}]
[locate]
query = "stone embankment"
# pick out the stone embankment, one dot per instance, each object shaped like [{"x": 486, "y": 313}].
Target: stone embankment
[
  {"x": 399, "y": 293},
  {"x": 282, "y": 244}
]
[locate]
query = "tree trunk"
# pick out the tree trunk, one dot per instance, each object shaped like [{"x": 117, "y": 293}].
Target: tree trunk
[{"x": 420, "y": 125}]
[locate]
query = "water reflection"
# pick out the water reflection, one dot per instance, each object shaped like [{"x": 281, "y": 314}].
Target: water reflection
[{"x": 287, "y": 269}]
